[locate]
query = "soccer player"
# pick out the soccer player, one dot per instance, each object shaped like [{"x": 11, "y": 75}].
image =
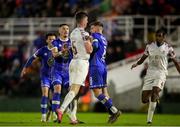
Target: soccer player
[
  {"x": 98, "y": 70},
  {"x": 158, "y": 53},
  {"x": 62, "y": 52},
  {"x": 82, "y": 47},
  {"x": 47, "y": 60}
]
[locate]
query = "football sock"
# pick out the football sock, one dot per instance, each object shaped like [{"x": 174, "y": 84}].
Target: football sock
[
  {"x": 107, "y": 103},
  {"x": 74, "y": 110},
  {"x": 151, "y": 109},
  {"x": 55, "y": 101},
  {"x": 44, "y": 101},
  {"x": 67, "y": 100}
]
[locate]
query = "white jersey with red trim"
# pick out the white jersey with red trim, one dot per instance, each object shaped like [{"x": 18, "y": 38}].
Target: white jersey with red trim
[
  {"x": 78, "y": 39},
  {"x": 158, "y": 57}
]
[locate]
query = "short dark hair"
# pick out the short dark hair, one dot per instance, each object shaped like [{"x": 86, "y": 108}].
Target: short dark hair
[
  {"x": 50, "y": 34},
  {"x": 96, "y": 23},
  {"x": 63, "y": 24},
  {"x": 80, "y": 15},
  {"x": 161, "y": 30}
]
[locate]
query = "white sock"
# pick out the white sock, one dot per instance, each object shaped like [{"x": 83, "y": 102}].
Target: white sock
[
  {"x": 113, "y": 109},
  {"x": 151, "y": 109},
  {"x": 67, "y": 100},
  {"x": 74, "y": 110}
]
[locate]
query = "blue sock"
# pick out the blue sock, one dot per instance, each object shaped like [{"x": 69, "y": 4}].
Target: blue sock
[
  {"x": 44, "y": 101},
  {"x": 55, "y": 101},
  {"x": 105, "y": 101}
]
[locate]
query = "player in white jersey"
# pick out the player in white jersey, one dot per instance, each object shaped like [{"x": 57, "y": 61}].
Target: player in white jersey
[
  {"x": 158, "y": 53},
  {"x": 79, "y": 65}
]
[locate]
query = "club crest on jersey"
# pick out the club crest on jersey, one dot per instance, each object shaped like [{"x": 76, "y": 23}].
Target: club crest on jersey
[
  {"x": 45, "y": 54},
  {"x": 50, "y": 61}
]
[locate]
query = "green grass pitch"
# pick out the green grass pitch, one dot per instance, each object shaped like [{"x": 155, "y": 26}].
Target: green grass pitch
[{"x": 90, "y": 119}]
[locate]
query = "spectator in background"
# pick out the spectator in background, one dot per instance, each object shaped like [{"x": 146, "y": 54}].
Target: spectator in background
[{"x": 21, "y": 50}]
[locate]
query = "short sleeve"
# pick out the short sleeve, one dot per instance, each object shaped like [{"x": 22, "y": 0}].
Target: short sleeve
[
  {"x": 37, "y": 53},
  {"x": 170, "y": 49}
]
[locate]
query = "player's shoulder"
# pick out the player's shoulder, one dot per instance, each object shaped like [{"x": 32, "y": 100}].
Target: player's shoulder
[
  {"x": 75, "y": 30},
  {"x": 167, "y": 44},
  {"x": 42, "y": 48},
  {"x": 150, "y": 43},
  {"x": 95, "y": 35}
]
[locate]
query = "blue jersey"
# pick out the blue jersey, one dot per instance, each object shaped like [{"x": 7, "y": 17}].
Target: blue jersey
[
  {"x": 62, "y": 63},
  {"x": 60, "y": 69},
  {"x": 97, "y": 69},
  {"x": 47, "y": 60},
  {"x": 97, "y": 58}
]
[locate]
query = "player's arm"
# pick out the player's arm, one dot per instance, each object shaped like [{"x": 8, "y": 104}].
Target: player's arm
[
  {"x": 173, "y": 58},
  {"x": 28, "y": 64},
  {"x": 176, "y": 64},
  {"x": 88, "y": 44},
  {"x": 140, "y": 61},
  {"x": 55, "y": 52},
  {"x": 95, "y": 45}
]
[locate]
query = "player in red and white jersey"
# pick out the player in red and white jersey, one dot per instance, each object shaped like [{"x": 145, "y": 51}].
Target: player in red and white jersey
[
  {"x": 79, "y": 65},
  {"x": 158, "y": 53}
]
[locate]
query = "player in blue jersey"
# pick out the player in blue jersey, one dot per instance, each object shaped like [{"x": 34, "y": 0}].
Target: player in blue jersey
[
  {"x": 44, "y": 54},
  {"x": 98, "y": 71},
  {"x": 60, "y": 71}
]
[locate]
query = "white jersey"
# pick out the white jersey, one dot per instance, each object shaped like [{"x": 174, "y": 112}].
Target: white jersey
[
  {"x": 158, "y": 57},
  {"x": 78, "y": 37}
]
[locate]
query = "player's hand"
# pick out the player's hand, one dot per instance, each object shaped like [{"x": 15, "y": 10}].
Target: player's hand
[
  {"x": 89, "y": 38},
  {"x": 55, "y": 51},
  {"x": 134, "y": 65}
]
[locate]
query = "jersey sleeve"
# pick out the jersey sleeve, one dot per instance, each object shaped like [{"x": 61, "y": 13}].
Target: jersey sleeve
[
  {"x": 170, "y": 49},
  {"x": 38, "y": 53},
  {"x": 95, "y": 43},
  {"x": 54, "y": 43},
  {"x": 171, "y": 52}
]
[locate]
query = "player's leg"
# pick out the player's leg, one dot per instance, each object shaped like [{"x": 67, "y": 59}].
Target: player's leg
[
  {"x": 67, "y": 100},
  {"x": 152, "y": 103},
  {"x": 78, "y": 70},
  {"x": 50, "y": 95},
  {"x": 56, "y": 81},
  {"x": 44, "y": 102},
  {"x": 146, "y": 94},
  {"x": 45, "y": 84},
  {"x": 113, "y": 116},
  {"x": 98, "y": 84}
]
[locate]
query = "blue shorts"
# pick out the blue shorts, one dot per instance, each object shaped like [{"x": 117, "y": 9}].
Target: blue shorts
[
  {"x": 60, "y": 77},
  {"x": 97, "y": 77},
  {"x": 46, "y": 81}
]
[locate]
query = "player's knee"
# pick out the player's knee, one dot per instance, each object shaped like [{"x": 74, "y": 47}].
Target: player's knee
[
  {"x": 154, "y": 97},
  {"x": 145, "y": 100},
  {"x": 57, "y": 88},
  {"x": 96, "y": 92}
]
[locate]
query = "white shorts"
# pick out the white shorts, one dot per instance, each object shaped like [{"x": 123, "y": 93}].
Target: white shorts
[
  {"x": 151, "y": 80},
  {"x": 78, "y": 70}
]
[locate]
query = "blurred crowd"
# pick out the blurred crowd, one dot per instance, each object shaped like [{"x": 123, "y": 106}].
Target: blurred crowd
[
  {"x": 67, "y": 8},
  {"x": 12, "y": 59}
]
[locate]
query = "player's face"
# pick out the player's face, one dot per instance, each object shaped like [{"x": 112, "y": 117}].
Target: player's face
[
  {"x": 64, "y": 31},
  {"x": 160, "y": 37},
  {"x": 50, "y": 39},
  {"x": 85, "y": 21},
  {"x": 93, "y": 29}
]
